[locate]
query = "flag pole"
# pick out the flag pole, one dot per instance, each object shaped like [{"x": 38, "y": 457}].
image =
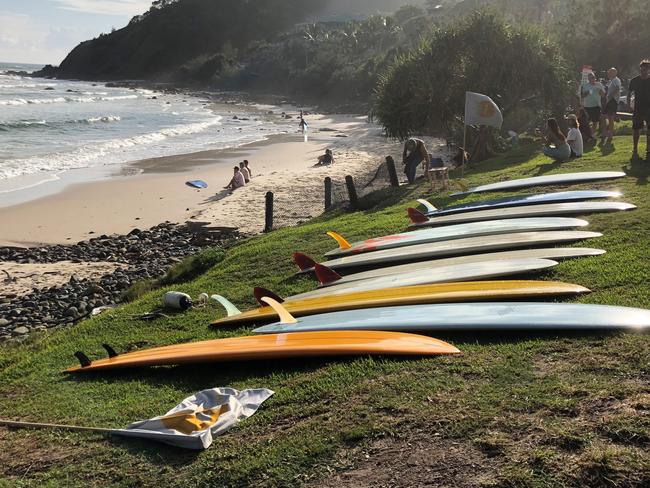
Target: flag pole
[{"x": 462, "y": 168}]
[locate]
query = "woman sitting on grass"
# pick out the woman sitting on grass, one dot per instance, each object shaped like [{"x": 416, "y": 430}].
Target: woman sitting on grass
[{"x": 556, "y": 146}]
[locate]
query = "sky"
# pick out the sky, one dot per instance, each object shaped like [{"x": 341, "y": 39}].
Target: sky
[{"x": 44, "y": 31}]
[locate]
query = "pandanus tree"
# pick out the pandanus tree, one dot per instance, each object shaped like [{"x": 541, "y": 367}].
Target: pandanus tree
[{"x": 519, "y": 67}]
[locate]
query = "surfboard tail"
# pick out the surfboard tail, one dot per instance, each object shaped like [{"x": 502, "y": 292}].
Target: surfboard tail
[
  {"x": 304, "y": 262},
  {"x": 417, "y": 217},
  {"x": 326, "y": 275}
]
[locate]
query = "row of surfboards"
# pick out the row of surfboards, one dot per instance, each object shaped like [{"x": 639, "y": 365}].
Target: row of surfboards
[{"x": 424, "y": 280}]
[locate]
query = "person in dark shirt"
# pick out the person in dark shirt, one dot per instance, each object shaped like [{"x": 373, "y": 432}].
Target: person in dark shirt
[
  {"x": 415, "y": 152},
  {"x": 640, "y": 86}
]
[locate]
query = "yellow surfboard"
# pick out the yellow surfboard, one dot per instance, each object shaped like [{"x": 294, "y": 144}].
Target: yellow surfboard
[
  {"x": 409, "y": 295},
  {"x": 274, "y": 346}
]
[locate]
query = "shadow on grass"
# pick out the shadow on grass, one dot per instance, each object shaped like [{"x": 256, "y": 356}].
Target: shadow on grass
[{"x": 639, "y": 169}]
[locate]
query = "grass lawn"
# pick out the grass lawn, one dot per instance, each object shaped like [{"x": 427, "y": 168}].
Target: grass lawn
[{"x": 513, "y": 410}]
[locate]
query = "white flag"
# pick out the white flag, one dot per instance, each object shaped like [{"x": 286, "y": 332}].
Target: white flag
[
  {"x": 481, "y": 110},
  {"x": 198, "y": 419}
]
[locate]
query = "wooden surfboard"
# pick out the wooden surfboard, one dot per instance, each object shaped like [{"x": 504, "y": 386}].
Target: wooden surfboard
[
  {"x": 410, "y": 295},
  {"x": 558, "y": 179},
  {"x": 451, "y": 232},
  {"x": 519, "y": 201},
  {"x": 418, "y": 219},
  {"x": 473, "y": 317},
  {"x": 310, "y": 344},
  {"x": 458, "y": 247}
]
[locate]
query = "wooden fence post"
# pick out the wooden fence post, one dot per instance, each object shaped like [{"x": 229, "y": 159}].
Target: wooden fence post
[
  {"x": 328, "y": 193},
  {"x": 268, "y": 227},
  {"x": 352, "y": 192},
  {"x": 392, "y": 171}
]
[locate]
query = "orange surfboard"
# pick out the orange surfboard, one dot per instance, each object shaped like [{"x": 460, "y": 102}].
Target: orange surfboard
[
  {"x": 274, "y": 346},
  {"x": 408, "y": 295}
]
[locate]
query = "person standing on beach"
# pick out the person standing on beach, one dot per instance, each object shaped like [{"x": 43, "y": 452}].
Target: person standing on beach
[
  {"x": 237, "y": 180},
  {"x": 250, "y": 173},
  {"x": 415, "y": 152},
  {"x": 244, "y": 171},
  {"x": 591, "y": 95},
  {"x": 640, "y": 86},
  {"x": 610, "y": 110}
]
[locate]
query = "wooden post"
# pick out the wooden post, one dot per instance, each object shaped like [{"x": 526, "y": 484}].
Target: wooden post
[
  {"x": 392, "y": 171},
  {"x": 328, "y": 193},
  {"x": 268, "y": 227},
  {"x": 352, "y": 192}
]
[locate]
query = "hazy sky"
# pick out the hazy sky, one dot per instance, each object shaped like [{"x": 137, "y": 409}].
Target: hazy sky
[{"x": 44, "y": 31}]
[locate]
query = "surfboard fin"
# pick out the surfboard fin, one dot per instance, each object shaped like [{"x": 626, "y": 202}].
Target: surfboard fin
[
  {"x": 342, "y": 242},
  {"x": 417, "y": 217},
  {"x": 285, "y": 317},
  {"x": 304, "y": 262},
  {"x": 111, "y": 352},
  {"x": 326, "y": 275},
  {"x": 231, "y": 309},
  {"x": 83, "y": 359},
  {"x": 263, "y": 292},
  {"x": 426, "y": 204}
]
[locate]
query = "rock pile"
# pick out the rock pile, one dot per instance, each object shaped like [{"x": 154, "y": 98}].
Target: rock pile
[{"x": 145, "y": 255}]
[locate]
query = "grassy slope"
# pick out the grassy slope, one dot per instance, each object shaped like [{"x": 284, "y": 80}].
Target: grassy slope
[{"x": 528, "y": 410}]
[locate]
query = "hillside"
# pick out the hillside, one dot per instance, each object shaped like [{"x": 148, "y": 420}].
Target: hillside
[{"x": 514, "y": 410}]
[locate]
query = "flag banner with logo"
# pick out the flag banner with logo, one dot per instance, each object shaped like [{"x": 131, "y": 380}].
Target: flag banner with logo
[
  {"x": 200, "y": 418},
  {"x": 481, "y": 110}
]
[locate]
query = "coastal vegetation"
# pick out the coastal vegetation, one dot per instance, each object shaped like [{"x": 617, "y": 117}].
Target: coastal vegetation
[{"x": 514, "y": 410}]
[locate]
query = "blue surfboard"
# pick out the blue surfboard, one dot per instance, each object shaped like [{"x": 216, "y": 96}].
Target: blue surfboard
[{"x": 197, "y": 184}]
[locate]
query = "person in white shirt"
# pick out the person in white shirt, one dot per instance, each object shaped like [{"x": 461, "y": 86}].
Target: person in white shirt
[
  {"x": 574, "y": 137},
  {"x": 237, "y": 180},
  {"x": 610, "y": 110},
  {"x": 244, "y": 171}
]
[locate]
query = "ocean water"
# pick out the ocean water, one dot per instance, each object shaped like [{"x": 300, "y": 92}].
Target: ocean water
[{"x": 48, "y": 127}]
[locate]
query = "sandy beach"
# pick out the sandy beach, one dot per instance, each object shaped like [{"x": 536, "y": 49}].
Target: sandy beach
[{"x": 148, "y": 192}]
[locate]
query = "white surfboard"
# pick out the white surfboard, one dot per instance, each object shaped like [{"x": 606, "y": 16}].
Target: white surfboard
[
  {"x": 482, "y": 270},
  {"x": 472, "y": 229},
  {"x": 458, "y": 247},
  {"x": 558, "y": 179},
  {"x": 463, "y": 317},
  {"x": 552, "y": 209},
  {"x": 554, "y": 253}
]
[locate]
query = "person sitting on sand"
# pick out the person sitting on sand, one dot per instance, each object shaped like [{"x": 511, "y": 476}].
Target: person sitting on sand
[
  {"x": 250, "y": 173},
  {"x": 556, "y": 146},
  {"x": 244, "y": 171},
  {"x": 326, "y": 159},
  {"x": 415, "y": 152},
  {"x": 237, "y": 180}
]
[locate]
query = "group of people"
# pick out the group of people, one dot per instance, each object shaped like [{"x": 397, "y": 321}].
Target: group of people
[
  {"x": 598, "y": 113},
  {"x": 242, "y": 176}
]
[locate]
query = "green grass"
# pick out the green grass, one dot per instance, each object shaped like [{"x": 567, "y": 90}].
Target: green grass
[{"x": 528, "y": 410}]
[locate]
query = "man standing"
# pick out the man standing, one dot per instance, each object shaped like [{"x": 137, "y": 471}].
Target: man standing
[
  {"x": 640, "y": 86},
  {"x": 610, "y": 110},
  {"x": 415, "y": 152},
  {"x": 591, "y": 94}
]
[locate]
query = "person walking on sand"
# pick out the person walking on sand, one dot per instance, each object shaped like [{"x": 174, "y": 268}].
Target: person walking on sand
[
  {"x": 591, "y": 94},
  {"x": 415, "y": 152},
  {"x": 250, "y": 173},
  {"x": 640, "y": 86},
  {"x": 244, "y": 171},
  {"x": 237, "y": 180},
  {"x": 610, "y": 110},
  {"x": 556, "y": 146},
  {"x": 574, "y": 137}
]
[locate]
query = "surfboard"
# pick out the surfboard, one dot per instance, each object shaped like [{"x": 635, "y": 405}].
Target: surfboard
[
  {"x": 408, "y": 295},
  {"x": 466, "y": 317},
  {"x": 458, "y": 247},
  {"x": 197, "y": 184},
  {"x": 559, "y": 179},
  {"x": 473, "y": 229},
  {"x": 309, "y": 344},
  {"x": 418, "y": 219},
  {"x": 553, "y": 253},
  {"x": 521, "y": 200},
  {"x": 482, "y": 270}
]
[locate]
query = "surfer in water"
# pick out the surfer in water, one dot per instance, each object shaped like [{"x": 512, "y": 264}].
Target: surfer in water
[
  {"x": 415, "y": 152},
  {"x": 237, "y": 180}
]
